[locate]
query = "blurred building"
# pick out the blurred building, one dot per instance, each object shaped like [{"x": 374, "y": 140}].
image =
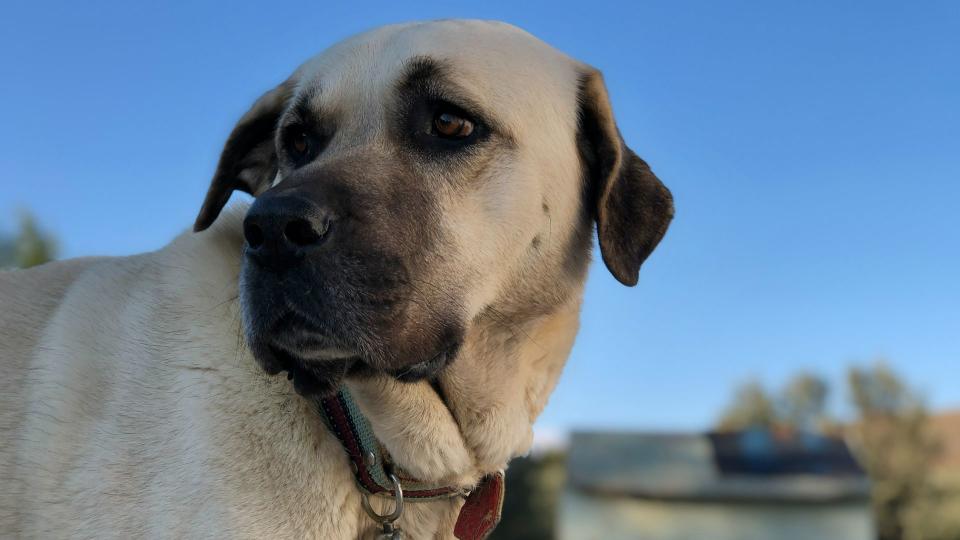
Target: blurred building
[{"x": 751, "y": 485}]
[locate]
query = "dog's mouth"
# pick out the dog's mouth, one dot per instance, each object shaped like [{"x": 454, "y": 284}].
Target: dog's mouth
[
  {"x": 309, "y": 376},
  {"x": 313, "y": 360},
  {"x": 317, "y": 362}
]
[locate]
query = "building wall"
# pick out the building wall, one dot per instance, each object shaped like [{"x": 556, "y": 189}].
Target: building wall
[{"x": 584, "y": 517}]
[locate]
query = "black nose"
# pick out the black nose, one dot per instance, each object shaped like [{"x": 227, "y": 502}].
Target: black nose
[{"x": 281, "y": 229}]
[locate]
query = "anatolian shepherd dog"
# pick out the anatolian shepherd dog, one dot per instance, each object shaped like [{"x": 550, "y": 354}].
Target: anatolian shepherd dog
[{"x": 425, "y": 196}]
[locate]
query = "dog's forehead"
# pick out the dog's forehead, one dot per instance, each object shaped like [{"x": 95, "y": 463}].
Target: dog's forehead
[{"x": 499, "y": 65}]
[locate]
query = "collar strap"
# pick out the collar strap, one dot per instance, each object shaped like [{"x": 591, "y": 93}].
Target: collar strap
[
  {"x": 370, "y": 463},
  {"x": 372, "y": 469}
]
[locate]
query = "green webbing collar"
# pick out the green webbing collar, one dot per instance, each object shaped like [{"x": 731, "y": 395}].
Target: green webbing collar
[
  {"x": 375, "y": 473},
  {"x": 371, "y": 464}
]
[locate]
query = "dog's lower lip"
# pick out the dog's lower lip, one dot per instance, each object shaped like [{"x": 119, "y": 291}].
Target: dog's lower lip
[
  {"x": 316, "y": 352},
  {"x": 309, "y": 354},
  {"x": 310, "y": 376},
  {"x": 333, "y": 354},
  {"x": 300, "y": 337},
  {"x": 312, "y": 348}
]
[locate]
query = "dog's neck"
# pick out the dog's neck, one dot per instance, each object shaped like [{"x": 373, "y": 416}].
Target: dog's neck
[{"x": 480, "y": 412}]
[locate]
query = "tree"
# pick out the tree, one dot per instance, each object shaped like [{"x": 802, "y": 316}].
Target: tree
[
  {"x": 895, "y": 448},
  {"x": 30, "y": 247},
  {"x": 752, "y": 407},
  {"x": 802, "y": 403},
  {"x": 878, "y": 391},
  {"x": 34, "y": 247}
]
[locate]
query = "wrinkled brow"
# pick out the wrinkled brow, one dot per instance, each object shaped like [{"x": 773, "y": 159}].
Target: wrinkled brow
[
  {"x": 436, "y": 79},
  {"x": 422, "y": 71},
  {"x": 302, "y": 107}
]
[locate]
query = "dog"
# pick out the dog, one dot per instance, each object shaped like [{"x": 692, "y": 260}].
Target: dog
[{"x": 424, "y": 201}]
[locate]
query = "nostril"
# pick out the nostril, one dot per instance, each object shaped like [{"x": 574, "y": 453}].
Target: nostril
[
  {"x": 254, "y": 234},
  {"x": 300, "y": 232}
]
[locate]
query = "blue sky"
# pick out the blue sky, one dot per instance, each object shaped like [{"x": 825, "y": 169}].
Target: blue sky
[{"x": 813, "y": 149}]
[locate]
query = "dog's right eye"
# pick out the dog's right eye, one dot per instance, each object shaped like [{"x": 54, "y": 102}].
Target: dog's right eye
[{"x": 300, "y": 143}]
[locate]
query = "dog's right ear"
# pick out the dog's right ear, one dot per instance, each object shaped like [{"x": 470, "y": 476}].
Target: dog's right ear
[{"x": 249, "y": 160}]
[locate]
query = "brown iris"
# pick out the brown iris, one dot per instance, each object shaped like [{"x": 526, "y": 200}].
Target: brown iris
[
  {"x": 300, "y": 143},
  {"x": 453, "y": 126}
]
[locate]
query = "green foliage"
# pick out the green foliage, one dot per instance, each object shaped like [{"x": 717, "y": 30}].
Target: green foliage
[
  {"x": 879, "y": 391},
  {"x": 752, "y": 407},
  {"x": 30, "y": 247},
  {"x": 936, "y": 514},
  {"x": 801, "y": 404},
  {"x": 896, "y": 449}
]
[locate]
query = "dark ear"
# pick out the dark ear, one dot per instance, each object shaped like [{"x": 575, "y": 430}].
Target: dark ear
[
  {"x": 632, "y": 207},
  {"x": 249, "y": 160}
]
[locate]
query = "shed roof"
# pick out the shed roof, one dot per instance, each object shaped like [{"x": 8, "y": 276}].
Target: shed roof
[{"x": 742, "y": 466}]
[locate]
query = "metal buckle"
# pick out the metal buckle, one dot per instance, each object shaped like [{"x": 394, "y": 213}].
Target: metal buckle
[{"x": 386, "y": 521}]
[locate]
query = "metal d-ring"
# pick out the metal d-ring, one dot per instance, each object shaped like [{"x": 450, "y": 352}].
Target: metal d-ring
[{"x": 397, "y": 508}]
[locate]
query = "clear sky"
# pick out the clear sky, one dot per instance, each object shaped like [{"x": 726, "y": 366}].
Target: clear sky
[{"x": 813, "y": 149}]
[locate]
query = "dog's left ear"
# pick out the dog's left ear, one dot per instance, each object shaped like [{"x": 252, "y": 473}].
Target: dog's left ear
[
  {"x": 249, "y": 160},
  {"x": 632, "y": 207}
]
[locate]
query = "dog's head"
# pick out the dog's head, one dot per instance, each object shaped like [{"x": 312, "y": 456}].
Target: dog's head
[{"x": 414, "y": 178}]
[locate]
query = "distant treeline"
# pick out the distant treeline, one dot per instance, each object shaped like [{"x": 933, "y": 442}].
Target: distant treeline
[{"x": 27, "y": 247}]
